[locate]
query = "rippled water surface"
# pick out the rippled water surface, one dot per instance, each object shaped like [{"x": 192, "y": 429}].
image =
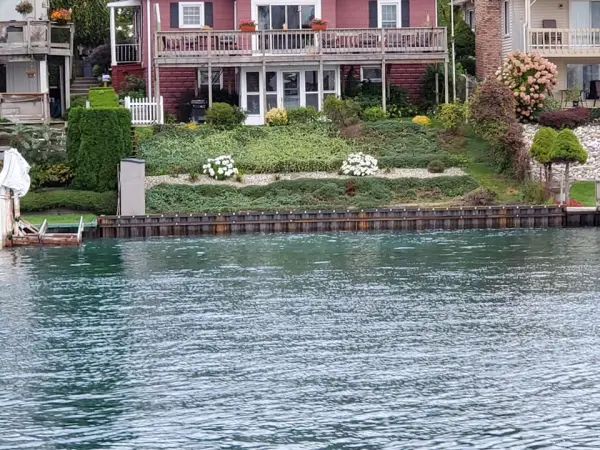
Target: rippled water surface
[{"x": 430, "y": 340}]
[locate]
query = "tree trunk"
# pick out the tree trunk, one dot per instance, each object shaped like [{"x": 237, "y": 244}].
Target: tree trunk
[
  {"x": 549, "y": 176},
  {"x": 567, "y": 183}
]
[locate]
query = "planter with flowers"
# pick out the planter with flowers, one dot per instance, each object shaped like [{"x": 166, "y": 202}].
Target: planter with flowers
[
  {"x": 247, "y": 26},
  {"x": 25, "y": 7},
  {"x": 319, "y": 24},
  {"x": 30, "y": 71},
  {"x": 220, "y": 168},
  {"x": 61, "y": 16}
]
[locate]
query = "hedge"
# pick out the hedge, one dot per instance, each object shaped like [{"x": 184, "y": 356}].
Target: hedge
[
  {"x": 97, "y": 140},
  {"x": 92, "y": 202},
  {"x": 307, "y": 194},
  {"x": 103, "y": 97}
]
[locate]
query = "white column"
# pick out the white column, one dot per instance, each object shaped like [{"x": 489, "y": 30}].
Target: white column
[
  {"x": 67, "y": 82},
  {"x": 4, "y": 216},
  {"x": 113, "y": 38},
  {"x": 446, "y": 83},
  {"x": 320, "y": 86},
  {"x": 44, "y": 77},
  {"x": 383, "y": 87}
]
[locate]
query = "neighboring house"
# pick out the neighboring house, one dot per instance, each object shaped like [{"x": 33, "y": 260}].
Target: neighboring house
[
  {"x": 567, "y": 32},
  {"x": 27, "y": 44},
  {"x": 284, "y": 63}
]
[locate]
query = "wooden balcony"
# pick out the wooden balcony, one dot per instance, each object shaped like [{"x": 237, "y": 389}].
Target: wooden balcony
[
  {"x": 36, "y": 37},
  {"x": 289, "y": 46},
  {"x": 565, "y": 42},
  {"x": 24, "y": 106}
]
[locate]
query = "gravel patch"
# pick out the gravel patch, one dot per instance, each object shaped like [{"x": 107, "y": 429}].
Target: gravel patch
[
  {"x": 263, "y": 179},
  {"x": 589, "y": 136}
]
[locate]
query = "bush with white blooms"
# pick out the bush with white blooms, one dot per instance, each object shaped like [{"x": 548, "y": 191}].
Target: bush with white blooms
[
  {"x": 359, "y": 165},
  {"x": 220, "y": 168}
]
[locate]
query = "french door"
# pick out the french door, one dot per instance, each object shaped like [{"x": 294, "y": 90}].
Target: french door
[{"x": 280, "y": 17}]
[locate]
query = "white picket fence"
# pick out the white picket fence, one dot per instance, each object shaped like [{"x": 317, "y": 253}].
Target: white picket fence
[{"x": 146, "y": 111}]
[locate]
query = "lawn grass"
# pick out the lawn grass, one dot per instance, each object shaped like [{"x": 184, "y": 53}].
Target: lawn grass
[
  {"x": 584, "y": 192},
  {"x": 58, "y": 219}
]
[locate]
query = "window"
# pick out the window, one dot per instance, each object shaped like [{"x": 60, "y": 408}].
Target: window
[
  {"x": 279, "y": 16},
  {"x": 217, "y": 76},
  {"x": 191, "y": 15},
  {"x": 389, "y": 14},
  {"x": 506, "y": 17},
  {"x": 370, "y": 74}
]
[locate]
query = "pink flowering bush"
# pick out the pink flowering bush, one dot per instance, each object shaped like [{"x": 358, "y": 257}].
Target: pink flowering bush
[{"x": 531, "y": 79}]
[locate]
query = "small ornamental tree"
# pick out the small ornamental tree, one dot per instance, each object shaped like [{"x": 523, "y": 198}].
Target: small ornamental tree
[
  {"x": 542, "y": 148},
  {"x": 566, "y": 150},
  {"x": 530, "y": 78}
]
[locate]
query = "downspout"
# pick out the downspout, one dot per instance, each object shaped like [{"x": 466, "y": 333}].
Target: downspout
[
  {"x": 149, "y": 47},
  {"x": 235, "y": 21}
]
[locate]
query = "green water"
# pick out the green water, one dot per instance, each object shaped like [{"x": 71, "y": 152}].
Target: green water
[{"x": 432, "y": 340}]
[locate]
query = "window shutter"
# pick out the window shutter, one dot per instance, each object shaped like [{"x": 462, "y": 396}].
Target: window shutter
[
  {"x": 174, "y": 15},
  {"x": 405, "y": 8},
  {"x": 373, "y": 22},
  {"x": 208, "y": 14}
]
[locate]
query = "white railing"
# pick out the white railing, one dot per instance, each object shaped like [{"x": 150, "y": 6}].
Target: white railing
[
  {"x": 35, "y": 36},
  {"x": 127, "y": 53},
  {"x": 211, "y": 44},
  {"x": 567, "y": 41},
  {"x": 146, "y": 111},
  {"x": 24, "y": 106}
]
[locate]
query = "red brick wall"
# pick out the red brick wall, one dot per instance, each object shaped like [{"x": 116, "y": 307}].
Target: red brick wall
[
  {"x": 488, "y": 37},
  {"x": 120, "y": 72}
]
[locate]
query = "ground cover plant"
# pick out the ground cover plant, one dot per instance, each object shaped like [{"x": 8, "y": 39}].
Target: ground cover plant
[
  {"x": 298, "y": 148},
  {"x": 307, "y": 194}
]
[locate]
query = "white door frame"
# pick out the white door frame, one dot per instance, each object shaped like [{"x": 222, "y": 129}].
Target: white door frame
[
  {"x": 258, "y": 119},
  {"x": 256, "y": 3}
]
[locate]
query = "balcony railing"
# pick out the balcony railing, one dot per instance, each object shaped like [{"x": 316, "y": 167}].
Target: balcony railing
[
  {"x": 565, "y": 41},
  {"x": 18, "y": 37},
  {"x": 217, "y": 44},
  {"x": 128, "y": 53},
  {"x": 24, "y": 106}
]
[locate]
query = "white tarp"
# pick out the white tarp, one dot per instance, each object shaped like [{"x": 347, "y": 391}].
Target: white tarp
[{"x": 15, "y": 173}]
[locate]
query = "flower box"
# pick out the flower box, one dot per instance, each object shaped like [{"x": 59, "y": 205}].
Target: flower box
[
  {"x": 319, "y": 24},
  {"x": 247, "y": 26}
]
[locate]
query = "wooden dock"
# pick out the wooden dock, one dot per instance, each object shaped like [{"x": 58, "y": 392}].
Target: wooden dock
[{"x": 399, "y": 219}]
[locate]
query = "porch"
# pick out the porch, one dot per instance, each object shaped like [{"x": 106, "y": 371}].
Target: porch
[
  {"x": 236, "y": 48},
  {"x": 35, "y": 38}
]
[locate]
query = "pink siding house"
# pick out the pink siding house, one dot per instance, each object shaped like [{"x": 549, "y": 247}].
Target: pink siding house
[{"x": 181, "y": 48}]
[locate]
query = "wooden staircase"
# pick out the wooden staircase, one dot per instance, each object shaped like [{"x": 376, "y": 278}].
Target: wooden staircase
[{"x": 82, "y": 85}]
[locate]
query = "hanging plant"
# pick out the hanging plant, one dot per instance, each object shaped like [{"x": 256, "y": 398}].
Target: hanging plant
[
  {"x": 24, "y": 7},
  {"x": 31, "y": 71}
]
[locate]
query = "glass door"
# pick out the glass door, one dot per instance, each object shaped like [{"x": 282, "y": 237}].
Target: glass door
[
  {"x": 291, "y": 89},
  {"x": 285, "y": 17}
]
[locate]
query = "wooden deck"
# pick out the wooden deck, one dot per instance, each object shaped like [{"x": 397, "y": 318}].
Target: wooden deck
[
  {"x": 235, "y": 48},
  {"x": 35, "y": 38}
]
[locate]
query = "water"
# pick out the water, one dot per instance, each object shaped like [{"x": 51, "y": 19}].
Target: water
[{"x": 445, "y": 340}]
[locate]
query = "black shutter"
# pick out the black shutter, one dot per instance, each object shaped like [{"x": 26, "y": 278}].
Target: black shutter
[
  {"x": 373, "y": 14},
  {"x": 174, "y": 15},
  {"x": 208, "y": 14},
  {"x": 405, "y": 8}
]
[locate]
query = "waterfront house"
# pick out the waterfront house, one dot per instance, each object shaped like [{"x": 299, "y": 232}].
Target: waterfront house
[
  {"x": 567, "y": 32},
  {"x": 182, "y": 48},
  {"x": 31, "y": 47}
]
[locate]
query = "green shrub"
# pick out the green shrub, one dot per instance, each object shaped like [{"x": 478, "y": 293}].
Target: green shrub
[
  {"x": 567, "y": 118},
  {"x": 133, "y": 87},
  {"x": 223, "y": 115},
  {"x": 452, "y": 115},
  {"x": 97, "y": 140},
  {"x": 103, "y": 97},
  {"x": 49, "y": 175},
  {"x": 38, "y": 144},
  {"x": 306, "y": 194},
  {"x": 341, "y": 112},
  {"x": 302, "y": 115},
  {"x": 93, "y": 202},
  {"x": 541, "y": 149},
  {"x": 374, "y": 113},
  {"x": 436, "y": 166},
  {"x": 479, "y": 197},
  {"x": 567, "y": 149}
]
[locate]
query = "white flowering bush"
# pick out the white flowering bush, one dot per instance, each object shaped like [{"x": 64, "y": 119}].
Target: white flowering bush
[
  {"x": 220, "y": 168},
  {"x": 359, "y": 165}
]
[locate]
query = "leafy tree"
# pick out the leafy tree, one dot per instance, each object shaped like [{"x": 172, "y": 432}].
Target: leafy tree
[
  {"x": 464, "y": 38},
  {"x": 91, "y": 18},
  {"x": 567, "y": 149},
  {"x": 541, "y": 150}
]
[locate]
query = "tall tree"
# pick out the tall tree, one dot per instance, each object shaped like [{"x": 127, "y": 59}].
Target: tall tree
[{"x": 91, "y": 18}]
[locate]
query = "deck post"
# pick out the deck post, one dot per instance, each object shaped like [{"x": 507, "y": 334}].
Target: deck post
[
  {"x": 383, "y": 87},
  {"x": 210, "y": 84},
  {"x": 446, "y": 82},
  {"x": 157, "y": 90},
  {"x": 61, "y": 85},
  {"x": 67, "y": 82},
  {"x": 320, "y": 85},
  {"x": 263, "y": 89}
]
